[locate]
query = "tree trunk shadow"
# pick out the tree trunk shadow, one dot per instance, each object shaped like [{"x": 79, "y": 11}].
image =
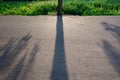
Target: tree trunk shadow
[{"x": 59, "y": 68}]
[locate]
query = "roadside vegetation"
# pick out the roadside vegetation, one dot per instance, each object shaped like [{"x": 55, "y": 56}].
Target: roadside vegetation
[{"x": 70, "y": 7}]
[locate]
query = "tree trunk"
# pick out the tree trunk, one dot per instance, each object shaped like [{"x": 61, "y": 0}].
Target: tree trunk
[{"x": 59, "y": 8}]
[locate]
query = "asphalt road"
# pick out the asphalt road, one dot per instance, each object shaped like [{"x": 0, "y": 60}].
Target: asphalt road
[{"x": 59, "y": 48}]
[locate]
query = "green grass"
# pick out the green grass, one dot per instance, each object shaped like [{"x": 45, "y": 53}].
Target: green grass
[
  {"x": 71, "y": 7},
  {"x": 27, "y": 8}
]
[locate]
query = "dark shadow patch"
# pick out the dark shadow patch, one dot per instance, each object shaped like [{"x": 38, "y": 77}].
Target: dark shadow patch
[
  {"x": 14, "y": 74},
  {"x": 112, "y": 54},
  {"x": 59, "y": 68},
  {"x": 115, "y": 30},
  {"x": 22, "y": 70},
  {"x": 30, "y": 63},
  {"x": 9, "y": 52}
]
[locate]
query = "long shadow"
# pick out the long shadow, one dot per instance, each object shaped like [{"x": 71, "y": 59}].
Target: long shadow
[
  {"x": 9, "y": 52},
  {"x": 20, "y": 68},
  {"x": 113, "y": 54},
  {"x": 15, "y": 73},
  {"x": 30, "y": 63},
  {"x": 59, "y": 68},
  {"x": 8, "y": 55}
]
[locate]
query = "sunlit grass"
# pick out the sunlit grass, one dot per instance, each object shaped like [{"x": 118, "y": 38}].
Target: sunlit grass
[
  {"x": 27, "y": 8},
  {"x": 73, "y": 7}
]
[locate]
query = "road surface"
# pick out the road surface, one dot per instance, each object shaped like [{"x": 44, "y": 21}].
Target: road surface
[{"x": 59, "y": 48}]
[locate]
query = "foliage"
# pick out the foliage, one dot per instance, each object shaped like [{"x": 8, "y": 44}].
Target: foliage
[
  {"x": 27, "y": 8},
  {"x": 72, "y": 7}
]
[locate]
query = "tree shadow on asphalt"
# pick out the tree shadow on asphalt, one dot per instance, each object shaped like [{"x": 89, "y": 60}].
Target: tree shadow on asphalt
[
  {"x": 112, "y": 52},
  {"x": 113, "y": 29},
  {"x": 59, "y": 68},
  {"x": 10, "y": 51},
  {"x": 31, "y": 61},
  {"x": 21, "y": 68}
]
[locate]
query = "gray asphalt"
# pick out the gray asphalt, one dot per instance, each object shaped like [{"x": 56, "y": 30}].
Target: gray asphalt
[{"x": 59, "y": 48}]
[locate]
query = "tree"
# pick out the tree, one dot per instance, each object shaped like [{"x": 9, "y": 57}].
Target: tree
[{"x": 59, "y": 8}]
